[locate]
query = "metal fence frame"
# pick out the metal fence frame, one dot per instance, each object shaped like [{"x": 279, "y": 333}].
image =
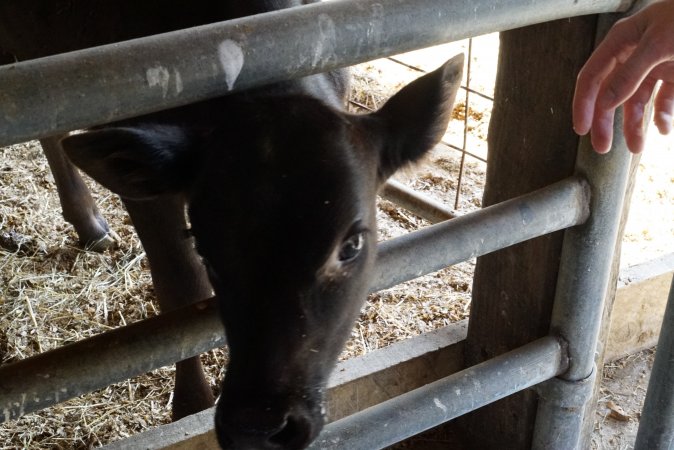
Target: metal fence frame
[
  {"x": 115, "y": 81},
  {"x": 352, "y": 31}
]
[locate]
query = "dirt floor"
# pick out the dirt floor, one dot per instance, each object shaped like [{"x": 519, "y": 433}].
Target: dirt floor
[
  {"x": 53, "y": 293},
  {"x": 621, "y": 398}
]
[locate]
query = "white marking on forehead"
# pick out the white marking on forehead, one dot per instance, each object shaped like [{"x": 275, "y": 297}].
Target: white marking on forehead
[
  {"x": 231, "y": 61},
  {"x": 158, "y": 76}
]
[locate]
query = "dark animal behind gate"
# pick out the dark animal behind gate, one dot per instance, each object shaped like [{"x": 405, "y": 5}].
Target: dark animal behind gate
[
  {"x": 280, "y": 184},
  {"x": 281, "y": 193}
]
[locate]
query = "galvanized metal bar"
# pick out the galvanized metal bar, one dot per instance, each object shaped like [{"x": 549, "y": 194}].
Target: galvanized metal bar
[
  {"x": 582, "y": 285},
  {"x": 421, "y": 205},
  {"x": 94, "y": 363},
  {"x": 135, "y": 77},
  {"x": 552, "y": 208},
  {"x": 561, "y": 402},
  {"x": 656, "y": 426},
  {"x": 438, "y": 402}
]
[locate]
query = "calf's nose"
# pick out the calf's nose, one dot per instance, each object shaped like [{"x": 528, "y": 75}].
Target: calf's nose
[{"x": 262, "y": 429}]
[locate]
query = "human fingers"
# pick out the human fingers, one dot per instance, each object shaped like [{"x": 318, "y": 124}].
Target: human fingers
[
  {"x": 587, "y": 87},
  {"x": 652, "y": 27},
  {"x": 633, "y": 115},
  {"x": 629, "y": 76},
  {"x": 618, "y": 44},
  {"x": 601, "y": 134},
  {"x": 664, "y": 107}
]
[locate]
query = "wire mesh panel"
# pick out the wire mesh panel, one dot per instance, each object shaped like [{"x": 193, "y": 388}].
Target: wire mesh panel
[
  {"x": 444, "y": 176},
  {"x": 449, "y": 182}
]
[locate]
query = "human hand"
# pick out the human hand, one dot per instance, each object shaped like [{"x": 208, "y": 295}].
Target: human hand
[{"x": 624, "y": 70}]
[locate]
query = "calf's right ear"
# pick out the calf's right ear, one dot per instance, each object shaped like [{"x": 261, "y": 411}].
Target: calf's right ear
[
  {"x": 135, "y": 163},
  {"x": 414, "y": 120}
]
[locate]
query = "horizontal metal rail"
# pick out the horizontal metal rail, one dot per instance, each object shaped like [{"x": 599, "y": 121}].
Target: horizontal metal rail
[
  {"x": 421, "y": 409},
  {"x": 556, "y": 207},
  {"x": 122, "y": 80},
  {"x": 421, "y": 205},
  {"x": 117, "y": 355}
]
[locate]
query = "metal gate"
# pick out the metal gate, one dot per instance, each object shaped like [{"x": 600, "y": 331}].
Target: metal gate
[{"x": 588, "y": 205}]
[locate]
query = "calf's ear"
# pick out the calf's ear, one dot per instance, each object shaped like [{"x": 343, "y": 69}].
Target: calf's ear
[
  {"x": 135, "y": 163},
  {"x": 414, "y": 120}
]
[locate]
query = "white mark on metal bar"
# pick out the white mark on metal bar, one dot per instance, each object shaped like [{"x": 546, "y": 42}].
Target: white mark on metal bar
[
  {"x": 439, "y": 404},
  {"x": 159, "y": 76},
  {"x": 231, "y": 61},
  {"x": 179, "y": 82},
  {"x": 375, "y": 27},
  {"x": 457, "y": 391},
  {"x": 526, "y": 214},
  {"x": 325, "y": 45}
]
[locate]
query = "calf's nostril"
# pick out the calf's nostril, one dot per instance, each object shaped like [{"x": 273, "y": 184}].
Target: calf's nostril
[
  {"x": 263, "y": 428},
  {"x": 294, "y": 433}
]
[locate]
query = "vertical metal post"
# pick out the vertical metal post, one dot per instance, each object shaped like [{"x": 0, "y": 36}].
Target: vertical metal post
[
  {"x": 582, "y": 284},
  {"x": 656, "y": 428},
  {"x": 585, "y": 271}
]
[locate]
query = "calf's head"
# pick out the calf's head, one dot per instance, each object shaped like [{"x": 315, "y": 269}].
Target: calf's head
[{"x": 281, "y": 197}]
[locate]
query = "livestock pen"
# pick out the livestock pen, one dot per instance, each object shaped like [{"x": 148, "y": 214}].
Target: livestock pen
[{"x": 560, "y": 206}]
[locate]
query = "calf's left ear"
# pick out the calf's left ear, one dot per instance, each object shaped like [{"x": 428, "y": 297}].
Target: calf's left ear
[
  {"x": 414, "y": 120},
  {"x": 135, "y": 163}
]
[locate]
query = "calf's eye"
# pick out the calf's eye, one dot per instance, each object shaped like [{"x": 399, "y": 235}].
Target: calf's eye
[{"x": 351, "y": 247}]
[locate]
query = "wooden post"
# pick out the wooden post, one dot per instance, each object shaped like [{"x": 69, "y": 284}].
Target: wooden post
[{"x": 531, "y": 144}]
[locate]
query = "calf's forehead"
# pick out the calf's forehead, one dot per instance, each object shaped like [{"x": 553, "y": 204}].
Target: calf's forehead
[
  {"x": 298, "y": 198},
  {"x": 299, "y": 156},
  {"x": 296, "y": 183}
]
